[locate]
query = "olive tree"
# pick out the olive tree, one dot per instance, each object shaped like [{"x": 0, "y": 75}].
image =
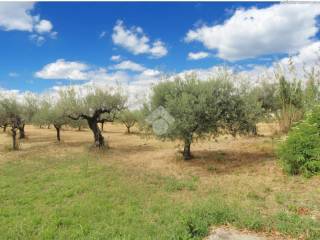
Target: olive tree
[
  {"x": 42, "y": 116},
  {"x": 53, "y": 110},
  {"x": 107, "y": 117},
  {"x": 97, "y": 106},
  {"x": 58, "y": 118},
  {"x": 28, "y": 108},
  {"x": 10, "y": 111},
  {"x": 267, "y": 96},
  {"x": 58, "y": 112},
  {"x": 129, "y": 118},
  {"x": 200, "y": 108},
  {"x": 78, "y": 124},
  {"x": 3, "y": 119}
]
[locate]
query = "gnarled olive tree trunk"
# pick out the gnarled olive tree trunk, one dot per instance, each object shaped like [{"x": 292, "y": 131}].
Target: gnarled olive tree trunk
[
  {"x": 14, "y": 139},
  {"x": 22, "y": 134},
  {"x": 187, "y": 146},
  {"x": 16, "y": 123},
  {"x": 5, "y": 127},
  {"x": 58, "y": 128},
  {"x": 186, "y": 150},
  {"x": 93, "y": 125},
  {"x": 98, "y": 138}
]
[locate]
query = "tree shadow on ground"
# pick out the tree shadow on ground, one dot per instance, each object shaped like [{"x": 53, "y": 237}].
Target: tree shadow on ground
[
  {"x": 133, "y": 149},
  {"x": 227, "y": 161}
]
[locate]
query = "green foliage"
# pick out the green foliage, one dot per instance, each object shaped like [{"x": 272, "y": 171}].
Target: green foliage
[
  {"x": 78, "y": 124},
  {"x": 9, "y": 107},
  {"x": 30, "y": 107},
  {"x": 267, "y": 96},
  {"x": 94, "y": 99},
  {"x": 42, "y": 116},
  {"x": 129, "y": 118},
  {"x": 202, "y": 108},
  {"x": 291, "y": 103},
  {"x": 312, "y": 90},
  {"x": 300, "y": 152},
  {"x": 99, "y": 98}
]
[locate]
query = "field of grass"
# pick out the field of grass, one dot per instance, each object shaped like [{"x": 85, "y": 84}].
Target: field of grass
[{"x": 142, "y": 189}]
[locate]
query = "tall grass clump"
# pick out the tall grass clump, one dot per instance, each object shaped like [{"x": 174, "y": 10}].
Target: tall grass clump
[{"x": 300, "y": 152}]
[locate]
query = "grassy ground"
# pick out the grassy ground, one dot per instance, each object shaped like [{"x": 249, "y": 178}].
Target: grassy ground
[{"x": 142, "y": 189}]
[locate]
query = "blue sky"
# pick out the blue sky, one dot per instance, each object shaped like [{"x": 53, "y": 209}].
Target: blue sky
[{"x": 79, "y": 39}]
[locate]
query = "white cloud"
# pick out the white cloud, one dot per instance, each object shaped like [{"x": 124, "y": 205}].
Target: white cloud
[
  {"x": 134, "y": 78},
  {"x": 115, "y": 58},
  {"x": 76, "y": 70},
  {"x": 43, "y": 26},
  {"x": 12, "y": 93},
  {"x": 62, "y": 69},
  {"x": 18, "y": 16},
  {"x": 307, "y": 55},
  {"x": 107, "y": 78},
  {"x": 135, "y": 41},
  {"x": 129, "y": 65},
  {"x": 197, "y": 55},
  {"x": 204, "y": 73},
  {"x": 158, "y": 49},
  {"x": 151, "y": 73},
  {"x": 281, "y": 28}
]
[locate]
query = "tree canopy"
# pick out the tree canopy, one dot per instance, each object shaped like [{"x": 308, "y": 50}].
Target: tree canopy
[
  {"x": 98, "y": 105},
  {"x": 201, "y": 108}
]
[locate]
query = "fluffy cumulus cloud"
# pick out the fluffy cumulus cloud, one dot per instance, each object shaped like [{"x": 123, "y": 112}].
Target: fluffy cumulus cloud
[
  {"x": 306, "y": 59},
  {"x": 134, "y": 78},
  {"x": 136, "y": 41},
  {"x": 62, "y": 69},
  {"x": 151, "y": 73},
  {"x": 205, "y": 73},
  {"x": 18, "y": 16},
  {"x": 249, "y": 33},
  {"x": 129, "y": 65},
  {"x": 197, "y": 55},
  {"x": 9, "y": 93},
  {"x": 115, "y": 58},
  {"x": 308, "y": 55},
  {"x": 13, "y": 93},
  {"x": 43, "y": 26}
]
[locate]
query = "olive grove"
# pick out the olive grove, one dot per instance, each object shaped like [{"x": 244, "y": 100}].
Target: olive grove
[
  {"x": 194, "y": 108},
  {"x": 11, "y": 115}
]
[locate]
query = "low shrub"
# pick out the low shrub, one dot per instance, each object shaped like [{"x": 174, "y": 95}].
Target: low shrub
[{"x": 300, "y": 152}]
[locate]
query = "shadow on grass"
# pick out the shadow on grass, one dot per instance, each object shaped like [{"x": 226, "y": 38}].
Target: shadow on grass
[{"x": 227, "y": 161}]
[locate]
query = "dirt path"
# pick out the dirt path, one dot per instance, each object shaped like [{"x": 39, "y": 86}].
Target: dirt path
[{"x": 225, "y": 233}]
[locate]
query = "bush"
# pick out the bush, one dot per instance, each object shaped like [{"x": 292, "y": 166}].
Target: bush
[{"x": 300, "y": 152}]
